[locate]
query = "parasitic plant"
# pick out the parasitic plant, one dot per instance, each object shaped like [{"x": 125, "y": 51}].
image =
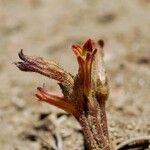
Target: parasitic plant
[{"x": 83, "y": 95}]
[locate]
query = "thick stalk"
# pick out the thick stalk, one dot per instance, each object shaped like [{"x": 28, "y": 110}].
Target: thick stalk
[
  {"x": 94, "y": 132},
  {"x": 103, "y": 117}
]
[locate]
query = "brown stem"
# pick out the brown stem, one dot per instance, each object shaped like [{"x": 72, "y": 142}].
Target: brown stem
[
  {"x": 94, "y": 135},
  {"x": 103, "y": 118},
  {"x": 95, "y": 129}
]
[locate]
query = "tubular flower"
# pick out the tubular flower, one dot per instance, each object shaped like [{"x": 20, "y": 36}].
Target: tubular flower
[
  {"x": 85, "y": 56},
  {"x": 83, "y": 95}
]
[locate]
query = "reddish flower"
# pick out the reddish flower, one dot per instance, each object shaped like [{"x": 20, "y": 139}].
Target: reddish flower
[
  {"x": 85, "y": 56},
  {"x": 83, "y": 95}
]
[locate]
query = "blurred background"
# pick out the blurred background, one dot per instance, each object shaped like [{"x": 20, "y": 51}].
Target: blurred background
[{"x": 48, "y": 28}]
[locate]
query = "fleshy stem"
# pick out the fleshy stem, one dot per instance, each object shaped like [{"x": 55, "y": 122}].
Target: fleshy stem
[{"x": 84, "y": 95}]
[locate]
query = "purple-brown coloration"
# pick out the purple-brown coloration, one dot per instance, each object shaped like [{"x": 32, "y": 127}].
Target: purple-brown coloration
[{"x": 84, "y": 95}]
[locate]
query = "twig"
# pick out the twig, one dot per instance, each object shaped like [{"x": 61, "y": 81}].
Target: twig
[{"x": 139, "y": 142}]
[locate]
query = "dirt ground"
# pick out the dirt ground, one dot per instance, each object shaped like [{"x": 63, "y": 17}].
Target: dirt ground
[{"x": 48, "y": 28}]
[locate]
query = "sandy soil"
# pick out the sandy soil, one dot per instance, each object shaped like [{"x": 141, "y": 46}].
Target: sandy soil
[{"x": 48, "y": 28}]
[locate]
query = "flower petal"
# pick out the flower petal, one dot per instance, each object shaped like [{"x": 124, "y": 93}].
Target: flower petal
[
  {"x": 77, "y": 50},
  {"x": 88, "y": 46},
  {"x": 56, "y": 100}
]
